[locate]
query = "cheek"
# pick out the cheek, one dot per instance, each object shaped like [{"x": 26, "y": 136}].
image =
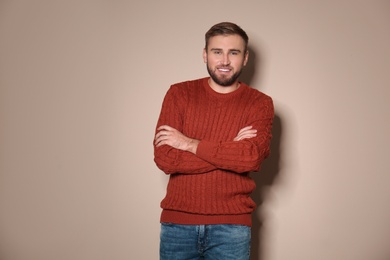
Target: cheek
[
  {"x": 210, "y": 61},
  {"x": 240, "y": 62},
  {"x": 237, "y": 64}
]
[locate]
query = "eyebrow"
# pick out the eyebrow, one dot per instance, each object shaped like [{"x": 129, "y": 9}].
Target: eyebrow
[{"x": 219, "y": 49}]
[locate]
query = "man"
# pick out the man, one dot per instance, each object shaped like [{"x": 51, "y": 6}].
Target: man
[{"x": 210, "y": 134}]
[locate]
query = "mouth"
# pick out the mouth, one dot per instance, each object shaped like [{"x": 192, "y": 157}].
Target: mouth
[{"x": 224, "y": 70}]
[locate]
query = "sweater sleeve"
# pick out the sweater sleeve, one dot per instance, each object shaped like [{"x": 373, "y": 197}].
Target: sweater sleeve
[
  {"x": 171, "y": 160},
  {"x": 245, "y": 155}
]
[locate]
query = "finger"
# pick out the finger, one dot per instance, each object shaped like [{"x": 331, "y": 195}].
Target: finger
[
  {"x": 245, "y": 136},
  {"x": 159, "y": 143},
  {"x": 244, "y": 129},
  {"x": 165, "y": 127},
  {"x": 159, "y": 134},
  {"x": 247, "y": 132},
  {"x": 160, "y": 140},
  {"x": 163, "y": 133}
]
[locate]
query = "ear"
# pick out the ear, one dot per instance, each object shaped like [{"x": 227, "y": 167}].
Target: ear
[
  {"x": 205, "y": 55},
  {"x": 246, "y": 57}
]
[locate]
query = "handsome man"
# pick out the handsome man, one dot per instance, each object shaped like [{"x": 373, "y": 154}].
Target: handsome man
[{"x": 211, "y": 133}]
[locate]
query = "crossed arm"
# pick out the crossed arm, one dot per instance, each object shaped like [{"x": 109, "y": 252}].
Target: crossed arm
[
  {"x": 175, "y": 152},
  {"x": 167, "y": 135}
]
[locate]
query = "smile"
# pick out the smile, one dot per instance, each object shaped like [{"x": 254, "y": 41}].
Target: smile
[{"x": 224, "y": 69}]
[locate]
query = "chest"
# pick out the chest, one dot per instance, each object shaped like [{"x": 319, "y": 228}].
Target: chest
[{"x": 213, "y": 119}]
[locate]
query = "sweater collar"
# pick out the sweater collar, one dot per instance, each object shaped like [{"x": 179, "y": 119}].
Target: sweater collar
[{"x": 223, "y": 95}]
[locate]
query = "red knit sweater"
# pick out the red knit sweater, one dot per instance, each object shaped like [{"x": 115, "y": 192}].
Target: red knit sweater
[{"x": 213, "y": 186}]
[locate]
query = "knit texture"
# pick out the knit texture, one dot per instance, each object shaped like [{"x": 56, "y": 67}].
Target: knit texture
[{"x": 213, "y": 186}]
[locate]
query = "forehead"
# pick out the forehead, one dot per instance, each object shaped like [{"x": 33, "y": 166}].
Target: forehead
[{"x": 226, "y": 42}]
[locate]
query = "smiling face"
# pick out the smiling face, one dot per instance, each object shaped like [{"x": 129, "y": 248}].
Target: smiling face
[{"x": 225, "y": 57}]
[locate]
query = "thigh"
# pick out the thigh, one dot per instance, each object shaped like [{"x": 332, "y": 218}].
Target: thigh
[
  {"x": 228, "y": 242},
  {"x": 178, "y": 242}
]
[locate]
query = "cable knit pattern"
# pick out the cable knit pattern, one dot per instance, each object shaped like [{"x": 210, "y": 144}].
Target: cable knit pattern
[{"x": 213, "y": 186}]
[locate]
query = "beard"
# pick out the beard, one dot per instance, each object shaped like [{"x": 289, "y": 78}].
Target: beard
[{"x": 223, "y": 80}]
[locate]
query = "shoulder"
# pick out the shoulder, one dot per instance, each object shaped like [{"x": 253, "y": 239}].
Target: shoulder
[
  {"x": 255, "y": 95},
  {"x": 182, "y": 91},
  {"x": 188, "y": 85},
  {"x": 187, "y": 88},
  {"x": 258, "y": 101}
]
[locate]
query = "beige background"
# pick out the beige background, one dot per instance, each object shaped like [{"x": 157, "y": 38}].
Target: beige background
[{"x": 81, "y": 86}]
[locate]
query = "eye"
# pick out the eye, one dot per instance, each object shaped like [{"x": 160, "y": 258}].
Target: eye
[
  {"x": 217, "y": 52},
  {"x": 234, "y": 53}
]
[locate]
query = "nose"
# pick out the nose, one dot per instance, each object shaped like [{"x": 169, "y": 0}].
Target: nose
[{"x": 225, "y": 60}]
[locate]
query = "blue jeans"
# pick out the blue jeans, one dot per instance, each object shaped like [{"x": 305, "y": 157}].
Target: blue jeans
[{"x": 217, "y": 242}]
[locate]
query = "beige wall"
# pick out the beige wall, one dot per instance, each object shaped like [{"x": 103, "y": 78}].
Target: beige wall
[{"x": 81, "y": 85}]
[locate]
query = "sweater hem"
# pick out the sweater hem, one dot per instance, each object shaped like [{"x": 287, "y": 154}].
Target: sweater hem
[{"x": 184, "y": 218}]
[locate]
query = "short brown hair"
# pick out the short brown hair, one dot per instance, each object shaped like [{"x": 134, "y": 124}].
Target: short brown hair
[{"x": 226, "y": 28}]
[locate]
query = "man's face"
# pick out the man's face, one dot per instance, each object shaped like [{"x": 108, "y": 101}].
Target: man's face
[{"x": 225, "y": 57}]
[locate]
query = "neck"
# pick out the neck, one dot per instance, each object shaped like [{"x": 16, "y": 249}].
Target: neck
[{"x": 223, "y": 89}]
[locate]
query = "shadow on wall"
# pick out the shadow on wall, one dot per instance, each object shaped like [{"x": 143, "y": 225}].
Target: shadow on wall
[
  {"x": 269, "y": 171},
  {"x": 264, "y": 179}
]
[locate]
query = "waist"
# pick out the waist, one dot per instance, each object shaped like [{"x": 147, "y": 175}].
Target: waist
[{"x": 184, "y": 218}]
